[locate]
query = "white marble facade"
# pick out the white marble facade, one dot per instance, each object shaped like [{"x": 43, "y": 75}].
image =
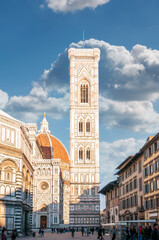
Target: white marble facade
[{"x": 84, "y": 137}]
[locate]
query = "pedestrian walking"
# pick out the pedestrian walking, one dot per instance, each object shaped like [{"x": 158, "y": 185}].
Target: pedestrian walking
[
  {"x": 40, "y": 233},
  {"x": 82, "y": 231},
  {"x": 4, "y": 233},
  {"x": 155, "y": 234},
  {"x": 85, "y": 231},
  {"x": 13, "y": 234},
  {"x": 73, "y": 232},
  {"x": 99, "y": 233},
  {"x": 113, "y": 233}
]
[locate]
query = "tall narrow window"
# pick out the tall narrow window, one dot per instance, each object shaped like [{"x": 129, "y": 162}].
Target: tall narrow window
[
  {"x": 8, "y": 174},
  {"x": 81, "y": 154},
  {"x": 88, "y": 155},
  {"x": 87, "y": 127},
  {"x": 84, "y": 93},
  {"x": 80, "y": 126}
]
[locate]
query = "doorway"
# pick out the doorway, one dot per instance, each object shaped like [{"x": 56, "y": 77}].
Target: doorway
[{"x": 43, "y": 222}]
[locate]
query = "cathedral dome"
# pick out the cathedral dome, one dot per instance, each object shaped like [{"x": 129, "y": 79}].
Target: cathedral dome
[{"x": 50, "y": 145}]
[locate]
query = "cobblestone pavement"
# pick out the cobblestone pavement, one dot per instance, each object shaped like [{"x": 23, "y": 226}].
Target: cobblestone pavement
[{"x": 63, "y": 236}]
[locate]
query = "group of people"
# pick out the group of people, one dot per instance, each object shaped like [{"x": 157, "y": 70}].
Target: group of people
[
  {"x": 13, "y": 234},
  {"x": 145, "y": 233},
  {"x": 141, "y": 233},
  {"x": 41, "y": 232},
  {"x": 86, "y": 231}
]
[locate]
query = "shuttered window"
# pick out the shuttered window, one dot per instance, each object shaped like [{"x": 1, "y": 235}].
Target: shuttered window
[{"x": 140, "y": 184}]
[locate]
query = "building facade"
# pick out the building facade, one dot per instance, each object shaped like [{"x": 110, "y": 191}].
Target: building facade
[
  {"x": 16, "y": 175},
  {"x": 151, "y": 177},
  {"x": 131, "y": 198},
  {"x": 50, "y": 181},
  {"x": 84, "y": 137},
  {"x": 111, "y": 212}
]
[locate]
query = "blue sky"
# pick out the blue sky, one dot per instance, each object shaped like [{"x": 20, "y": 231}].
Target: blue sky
[{"x": 34, "y": 38}]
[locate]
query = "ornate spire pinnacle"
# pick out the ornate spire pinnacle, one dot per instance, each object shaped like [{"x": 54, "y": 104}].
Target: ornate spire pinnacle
[{"x": 44, "y": 125}]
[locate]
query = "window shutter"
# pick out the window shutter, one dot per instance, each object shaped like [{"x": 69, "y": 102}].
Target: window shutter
[
  {"x": 152, "y": 149},
  {"x": 144, "y": 189},
  {"x": 144, "y": 205},
  {"x": 143, "y": 172},
  {"x": 155, "y": 203},
  {"x": 133, "y": 201},
  {"x": 148, "y": 170},
  {"x": 136, "y": 183},
  {"x": 154, "y": 167},
  {"x": 125, "y": 203},
  {"x": 158, "y": 144}
]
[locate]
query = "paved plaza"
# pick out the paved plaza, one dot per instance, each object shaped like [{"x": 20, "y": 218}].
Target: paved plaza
[{"x": 63, "y": 236}]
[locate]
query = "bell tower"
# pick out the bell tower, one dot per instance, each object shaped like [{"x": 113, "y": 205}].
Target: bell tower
[{"x": 84, "y": 137}]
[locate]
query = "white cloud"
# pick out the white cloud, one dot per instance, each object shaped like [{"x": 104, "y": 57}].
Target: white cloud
[
  {"x": 112, "y": 154},
  {"x": 123, "y": 75},
  {"x": 138, "y": 116},
  {"x": 128, "y": 81},
  {"x": 30, "y": 107},
  {"x": 127, "y": 85},
  {"x": 3, "y": 99},
  {"x": 73, "y": 5}
]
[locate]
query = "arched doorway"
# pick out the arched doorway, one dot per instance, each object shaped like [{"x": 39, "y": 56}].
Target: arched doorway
[{"x": 43, "y": 222}]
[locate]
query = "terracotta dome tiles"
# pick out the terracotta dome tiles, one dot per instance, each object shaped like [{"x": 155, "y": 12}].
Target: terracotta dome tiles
[{"x": 59, "y": 150}]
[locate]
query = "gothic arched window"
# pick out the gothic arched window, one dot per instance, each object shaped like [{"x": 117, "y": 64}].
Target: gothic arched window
[
  {"x": 81, "y": 154},
  {"x": 8, "y": 174},
  {"x": 88, "y": 155},
  {"x": 88, "y": 128},
  {"x": 84, "y": 93},
  {"x": 80, "y": 126}
]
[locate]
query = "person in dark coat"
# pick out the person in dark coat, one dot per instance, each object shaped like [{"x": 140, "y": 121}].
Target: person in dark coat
[
  {"x": 99, "y": 233},
  {"x": 82, "y": 231},
  {"x": 154, "y": 234},
  {"x": 13, "y": 234},
  {"x": 73, "y": 232}
]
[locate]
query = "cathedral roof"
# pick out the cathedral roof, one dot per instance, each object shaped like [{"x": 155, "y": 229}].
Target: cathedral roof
[{"x": 50, "y": 145}]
